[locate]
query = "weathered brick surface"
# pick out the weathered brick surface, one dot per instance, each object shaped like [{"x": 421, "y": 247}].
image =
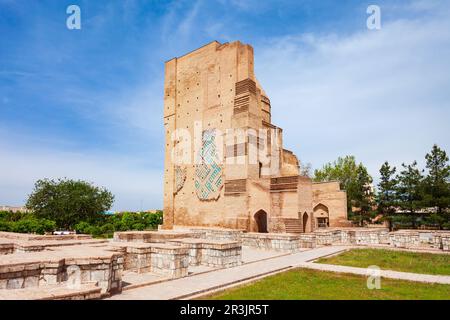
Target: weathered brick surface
[
  {"x": 445, "y": 242},
  {"x": 6, "y": 248},
  {"x": 273, "y": 241},
  {"x": 43, "y": 264},
  {"x": 214, "y": 89},
  {"x": 420, "y": 239},
  {"x": 150, "y": 236},
  {"x": 71, "y": 266},
  {"x": 215, "y": 253}
]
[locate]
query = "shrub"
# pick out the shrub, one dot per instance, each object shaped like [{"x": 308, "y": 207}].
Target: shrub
[
  {"x": 437, "y": 220},
  {"x": 96, "y": 231},
  {"x": 83, "y": 227},
  {"x": 152, "y": 220},
  {"x": 47, "y": 225},
  {"x": 32, "y": 225},
  {"x": 107, "y": 228},
  {"x": 5, "y": 225},
  {"x": 13, "y": 216},
  {"x": 138, "y": 226}
]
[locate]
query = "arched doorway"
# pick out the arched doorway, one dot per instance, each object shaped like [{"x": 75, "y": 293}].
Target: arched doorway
[
  {"x": 261, "y": 221},
  {"x": 322, "y": 216},
  {"x": 305, "y": 221}
]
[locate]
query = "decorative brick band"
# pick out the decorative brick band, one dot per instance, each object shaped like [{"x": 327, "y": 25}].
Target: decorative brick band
[
  {"x": 235, "y": 186},
  {"x": 247, "y": 85}
]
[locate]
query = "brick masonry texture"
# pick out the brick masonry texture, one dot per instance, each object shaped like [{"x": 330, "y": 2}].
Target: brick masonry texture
[{"x": 207, "y": 92}]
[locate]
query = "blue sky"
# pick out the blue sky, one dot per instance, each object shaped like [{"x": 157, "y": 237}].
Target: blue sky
[{"x": 88, "y": 103}]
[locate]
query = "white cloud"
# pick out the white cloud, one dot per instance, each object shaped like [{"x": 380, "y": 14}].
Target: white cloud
[
  {"x": 133, "y": 184},
  {"x": 380, "y": 95}
]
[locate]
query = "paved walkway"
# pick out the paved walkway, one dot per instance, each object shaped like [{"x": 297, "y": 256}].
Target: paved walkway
[
  {"x": 383, "y": 273},
  {"x": 184, "y": 287},
  {"x": 197, "y": 284}
]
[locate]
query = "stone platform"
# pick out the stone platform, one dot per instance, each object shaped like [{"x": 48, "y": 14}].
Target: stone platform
[
  {"x": 72, "y": 265},
  {"x": 152, "y": 236},
  {"x": 53, "y": 292},
  {"x": 79, "y": 267},
  {"x": 211, "y": 253}
]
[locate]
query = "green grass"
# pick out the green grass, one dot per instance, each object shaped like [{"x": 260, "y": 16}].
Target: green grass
[
  {"x": 304, "y": 284},
  {"x": 427, "y": 263}
]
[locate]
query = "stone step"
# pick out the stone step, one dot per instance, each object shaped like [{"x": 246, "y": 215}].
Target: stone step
[
  {"x": 293, "y": 226},
  {"x": 53, "y": 292}
]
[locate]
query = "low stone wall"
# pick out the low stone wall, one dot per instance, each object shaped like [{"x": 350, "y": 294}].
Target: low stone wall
[
  {"x": 107, "y": 273},
  {"x": 169, "y": 260},
  {"x": 37, "y": 246},
  {"x": 34, "y": 237},
  {"x": 221, "y": 255},
  {"x": 43, "y": 269},
  {"x": 420, "y": 239},
  {"x": 136, "y": 256},
  {"x": 212, "y": 253},
  {"x": 363, "y": 236},
  {"x": 307, "y": 240},
  {"x": 57, "y": 292},
  {"x": 22, "y": 246},
  {"x": 150, "y": 236},
  {"x": 6, "y": 248},
  {"x": 272, "y": 241},
  {"x": 445, "y": 242},
  {"x": 328, "y": 237},
  {"x": 404, "y": 239},
  {"x": 154, "y": 257},
  {"x": 211, "y": 233},
  {"x": 195, "y": 250},
  {"x": 221, "y": 235}
]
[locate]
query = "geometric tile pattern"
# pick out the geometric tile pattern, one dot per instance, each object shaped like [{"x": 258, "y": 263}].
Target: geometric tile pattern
[
  {"x": 208, "y": 172},
  {"x": 180, "y": 178}
]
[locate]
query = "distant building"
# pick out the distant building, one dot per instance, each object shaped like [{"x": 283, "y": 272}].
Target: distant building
[
  {"x": 146, "y": 211},
  {"x": 14, "y": 209}
]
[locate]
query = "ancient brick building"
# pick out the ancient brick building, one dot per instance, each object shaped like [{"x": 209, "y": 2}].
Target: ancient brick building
[{"x": 225, "y": 165}]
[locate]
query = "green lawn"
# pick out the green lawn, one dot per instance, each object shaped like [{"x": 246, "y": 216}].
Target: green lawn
[
  {"x": 427, "y": 263},
  {"x": 303, "y": 284}
]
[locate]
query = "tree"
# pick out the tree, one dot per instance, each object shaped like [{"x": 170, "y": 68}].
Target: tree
[
  {"x": 353, "y": 178},
  {"x": 386, "y": 197},
  {"x": 342, "y": 170},
  {"x": 409, "y": 191},
  {"x": 305, "y": 169},
  {"x": 362, "y": 194},
  {"x": 436, "y": 183},
  {"x": 68, "y": 202}
]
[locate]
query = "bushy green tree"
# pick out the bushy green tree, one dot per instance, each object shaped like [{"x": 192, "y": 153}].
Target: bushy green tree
[
  {"x": 353, "y": 178},
  {"x": 343, "y": 170},
  {"x": 68, "y": 202},
  {"x": 32, "y": 225}
]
